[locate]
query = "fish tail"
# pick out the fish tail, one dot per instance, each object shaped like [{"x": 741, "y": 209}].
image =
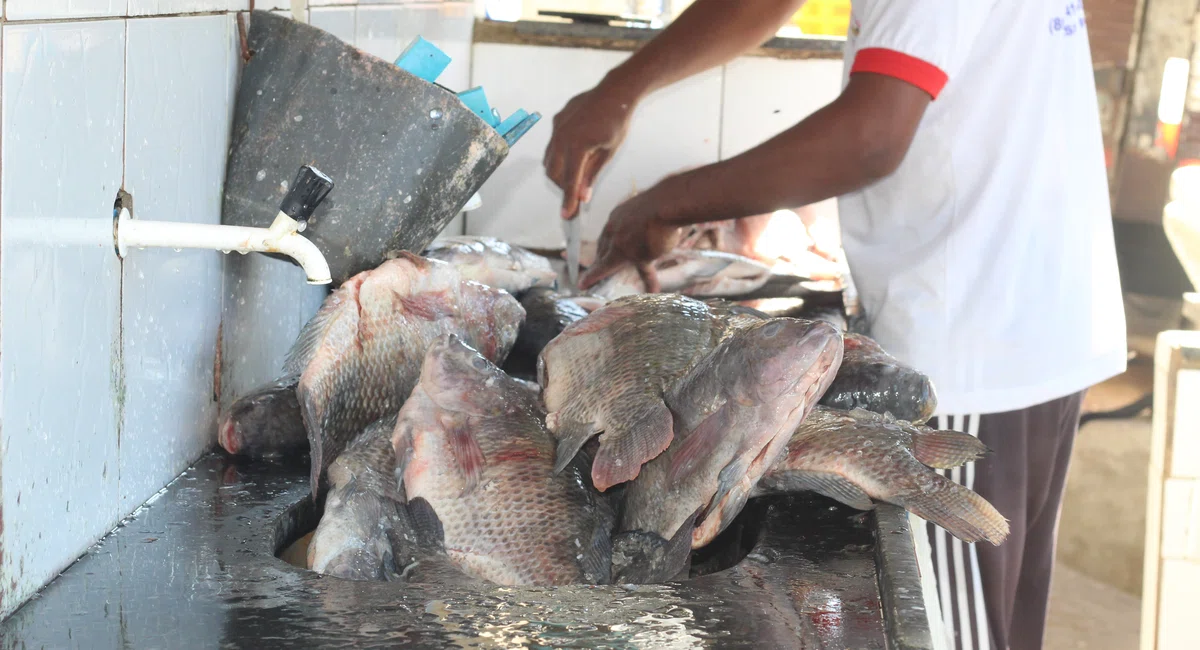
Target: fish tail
[
  {"x": 962, "y": 512},
  {"x": 946, "y": 449},
  {"x": 640, "y": 557}
]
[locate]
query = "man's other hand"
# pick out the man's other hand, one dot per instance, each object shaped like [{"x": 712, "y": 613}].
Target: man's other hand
[
  {"x": 587, "y": 132},
  {"x": 635, "y": 234}
]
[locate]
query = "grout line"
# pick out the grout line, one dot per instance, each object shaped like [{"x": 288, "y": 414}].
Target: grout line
[
  {"x": 120, "y": 356},
  {"x": 92, "y": 19}
]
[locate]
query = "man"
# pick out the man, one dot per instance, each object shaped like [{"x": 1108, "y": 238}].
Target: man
[{"x": 966, "y": 152}]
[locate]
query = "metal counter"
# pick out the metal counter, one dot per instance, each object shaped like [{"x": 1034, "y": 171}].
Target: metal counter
[{"x": 196, "y": 567}]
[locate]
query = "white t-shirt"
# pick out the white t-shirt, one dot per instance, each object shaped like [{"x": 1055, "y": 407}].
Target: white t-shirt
[{"x": 987, "y": 259}]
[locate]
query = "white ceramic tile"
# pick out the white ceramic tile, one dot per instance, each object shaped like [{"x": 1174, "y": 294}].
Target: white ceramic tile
[
  {"x": 1185, "y": 454},
  {"x": 326, "y": 3},
  {"x": 764, "y": 97},
  {"x": 338, "y": 21},
  {"x": 455, "y": 227},
  {"x": 39, "y": 9},
  {"x": 63, "y": 104},
  {"x": 269, "y": 5},
  {"x": 266, "y": 303},
  {"x": 385, "y": 31},
  {"x": 159, "y": 7},
  {"x": 287, "y": 13},
  {"x": 674, "y": 129},
  {"x": 181, "y": 71}
]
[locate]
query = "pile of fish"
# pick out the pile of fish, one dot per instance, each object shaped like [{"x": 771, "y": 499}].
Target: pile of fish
[{"x": 474, "y": 425}]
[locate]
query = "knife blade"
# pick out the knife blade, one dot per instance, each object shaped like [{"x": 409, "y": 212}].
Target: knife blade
[{"x": 571, "y": 230}]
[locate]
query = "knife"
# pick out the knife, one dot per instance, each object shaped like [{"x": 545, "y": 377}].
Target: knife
[{"x": 571, "y": 230}]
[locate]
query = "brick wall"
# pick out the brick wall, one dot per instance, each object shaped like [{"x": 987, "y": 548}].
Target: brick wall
[{"x": 1110, "y": 27}]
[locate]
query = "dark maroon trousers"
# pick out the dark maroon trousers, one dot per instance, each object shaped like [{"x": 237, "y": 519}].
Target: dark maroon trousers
[{"x": 996, "y": 597}]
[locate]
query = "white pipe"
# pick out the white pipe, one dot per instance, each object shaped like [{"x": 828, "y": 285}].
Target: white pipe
[{"x": 281, "y": 237}]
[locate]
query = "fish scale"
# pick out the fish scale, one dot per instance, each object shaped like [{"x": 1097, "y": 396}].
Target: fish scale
[
  {"x": 359, "y": 357},
  {"x": 515, "y": 522}
]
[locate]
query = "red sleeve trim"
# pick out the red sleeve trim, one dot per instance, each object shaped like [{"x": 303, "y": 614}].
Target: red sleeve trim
[{"x": 922, "y": 74}]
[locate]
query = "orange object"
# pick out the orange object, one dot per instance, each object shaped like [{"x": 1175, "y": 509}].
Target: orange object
[{"x": 1167, "y": 137}]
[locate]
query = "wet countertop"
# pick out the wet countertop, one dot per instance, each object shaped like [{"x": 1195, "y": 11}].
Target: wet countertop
[
  {"x": 612, "y": 37},
  {"x": 196, "y": 567}
]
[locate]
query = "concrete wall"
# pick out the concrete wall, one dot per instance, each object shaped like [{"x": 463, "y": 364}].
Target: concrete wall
[{"x": 107, "y": 367}]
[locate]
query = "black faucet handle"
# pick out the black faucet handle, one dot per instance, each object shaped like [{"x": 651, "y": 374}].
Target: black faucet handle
[{"x": 306, "y": 193}]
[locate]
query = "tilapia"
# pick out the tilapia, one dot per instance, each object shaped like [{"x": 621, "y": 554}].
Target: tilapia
[
  {"x": 368, "y": 531},
  {"x": 474, "y": 446},
  {"x": 547, "y": 313},
  {"x": 264, "y": 422},
  {"x": 735, "y": 412},
  {"x": 606, "y": 374},
  {"x": 874, "y": 380},
  {"x": 691, "y": 272},
  {"x": 359, "y": 357},
  {"x": 362, "y": 510},
  {"x": 490, "y": 261},
  {"x": 857, "y": 456}
]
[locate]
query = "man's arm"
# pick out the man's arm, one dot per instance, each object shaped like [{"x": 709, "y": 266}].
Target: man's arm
[
  {"x": 707, "y": 34},
  {"x": 857, "y": 139},
  {"x": 593, "y": 125}
]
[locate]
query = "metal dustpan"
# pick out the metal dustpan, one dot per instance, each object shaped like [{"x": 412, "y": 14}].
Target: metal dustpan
[{"x": 405, "y": 154}]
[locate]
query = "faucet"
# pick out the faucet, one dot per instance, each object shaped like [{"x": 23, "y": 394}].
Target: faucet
[{"x": 283, "y": 236}]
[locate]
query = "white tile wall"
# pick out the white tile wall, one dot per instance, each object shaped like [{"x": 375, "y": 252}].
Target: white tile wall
[
  {"x": 385, "y": 31},
  {"x": 178, "y": 115},
  {"x": 266, "y": 304},
  {"x": 63, "y": 110},
  {"x": 155, "y": 7},
  {"x": 674, "y": 129},
  {"x": 764, "y": 96},
  {"x": 40, "y": 9},
  {"x": 338, "y": 21}
]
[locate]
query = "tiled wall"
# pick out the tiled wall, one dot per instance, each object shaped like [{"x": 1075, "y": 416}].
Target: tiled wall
[
  {"x": 710, "y": 117},
  {"x": 107, "y": 367}
]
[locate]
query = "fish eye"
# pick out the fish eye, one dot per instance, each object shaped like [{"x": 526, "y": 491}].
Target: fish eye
[
  {"x": 772, "y": 330},
  {"x": 480, "y": 363}
]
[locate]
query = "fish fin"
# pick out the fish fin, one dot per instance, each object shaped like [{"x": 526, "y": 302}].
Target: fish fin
[
  {"x": 640, "y": 557},
  {"x": 645, "y": 433},
  {"x": 436, "y": 568},
  {"x": 699, "y": 445},
  {"x": 827, "y": 484},
  {"x": 313, "y": 333},
  {"x": 596, "y": 562},
  {"x": 426, "y": 523},
  {"x": 571, "y": 435},
  {"x": 946, "y": 449},
  {"x": 312, "y": 415},
  {"x": 467, "y": 454},
  {"x": 962, "y": 512}
]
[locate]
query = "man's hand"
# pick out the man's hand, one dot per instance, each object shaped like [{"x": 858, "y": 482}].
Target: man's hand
[
  {"x": 587, "y": 132},
  {"x": 635, "y": 234}
]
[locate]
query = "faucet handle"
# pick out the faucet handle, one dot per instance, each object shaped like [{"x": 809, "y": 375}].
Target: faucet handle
[{"x": 306, "y": 193}]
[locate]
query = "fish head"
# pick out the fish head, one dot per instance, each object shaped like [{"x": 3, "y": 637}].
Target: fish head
[
  {"x": 783, "y": 358},
  {"x": 252, "y": 422},
  {"x": 460, "y": 379}
]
